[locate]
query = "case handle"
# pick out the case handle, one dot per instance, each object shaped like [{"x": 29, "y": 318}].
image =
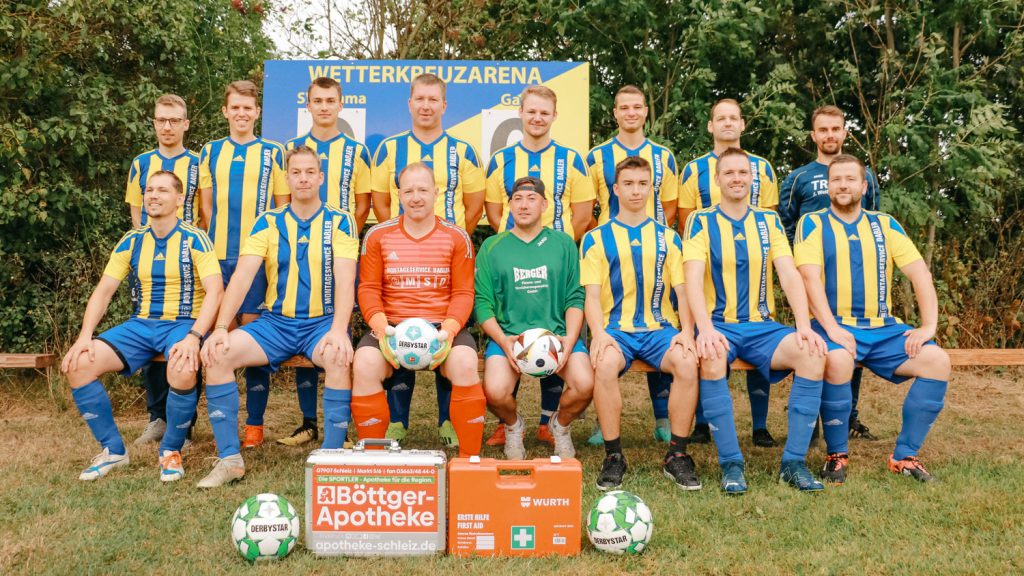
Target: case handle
[{"x": 388, "y": 443}]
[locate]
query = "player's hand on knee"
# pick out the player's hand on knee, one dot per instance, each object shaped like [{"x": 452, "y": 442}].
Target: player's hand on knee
[
  {"x": 711, "y": 344},
  {"x": 916, "y": 339},
  {"x": 507, "y": 346},
  {"x": 184, "y": 355},
  {"x": 81, "y": 346},
  {"x": 843, "y": 338},
  {"x": 336, "y": 347},
  {"x": 216, "y": 347},
  {"x": 600, "y": 344},
  {"x": 384, "y": 343},
  {"x": 686, "y": 343},
  {"x": 567, "y": 347},
  {"x": 811, "y": 342}
]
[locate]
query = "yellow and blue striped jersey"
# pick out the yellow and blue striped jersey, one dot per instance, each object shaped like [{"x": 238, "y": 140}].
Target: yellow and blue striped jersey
[
  {"x": 299, "y": 255},
  {"x": 346, "y": 165},
  {"x": 244, "y": 178},
  {"x": 856, "y": 262},
  {"x": 636, "y": 267},
  {"x": 738, "y": 256},
  {"x": 457, "y": 171},
  {"x": 664, "y": 181},
  {"x": 168, "y": 270},
  {"x": 184, "y": 165},
  {"x": 563, "y": 171},
  {"x": 698, "y": 189}
]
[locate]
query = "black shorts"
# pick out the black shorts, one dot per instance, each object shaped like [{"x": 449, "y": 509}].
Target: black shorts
[{"x": 463, "y": 338}]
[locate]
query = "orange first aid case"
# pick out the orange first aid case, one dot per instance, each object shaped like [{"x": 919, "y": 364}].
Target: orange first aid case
[{"x": 514, "y": 507}]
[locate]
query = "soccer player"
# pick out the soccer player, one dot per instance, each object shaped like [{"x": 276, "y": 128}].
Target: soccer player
[
  {"x": 308, "y": 250},
  {"x": 418, "y": 265},
  {"x": 805, "y": 190},
  {"x": 562, "y": 170},
  {"x": 528, "y": 277},
  {"x": 630, "y": 113},
  {"x": 179, "y": 288},
  {"x": 570, "y": 190},
  {"x": 170, "y": 122},
  {"x": 728, "y": 256},
  {"x": 846, "y": 256},
  {"x": 699, "y": 189},
  {"x": 629, "y": 266},
  {"x": 346, "y": 185},
  {"x": 458, "y": 174},
  {"x": 239, "y": 176}
]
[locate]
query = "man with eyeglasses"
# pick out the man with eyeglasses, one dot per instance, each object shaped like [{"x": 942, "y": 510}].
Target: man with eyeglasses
[{"x": 170, "y": 121}]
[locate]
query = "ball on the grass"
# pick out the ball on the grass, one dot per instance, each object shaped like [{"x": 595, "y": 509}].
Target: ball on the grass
[
  {"x": 415, "y": 343},
  {"x": 537, "y": 352},
  {"x": 265, "y": 527},
  {"x": 620, "y": 523}
]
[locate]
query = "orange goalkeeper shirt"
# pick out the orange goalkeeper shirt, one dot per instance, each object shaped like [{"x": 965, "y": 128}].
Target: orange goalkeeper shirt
[{"x": 405, "y": 277}]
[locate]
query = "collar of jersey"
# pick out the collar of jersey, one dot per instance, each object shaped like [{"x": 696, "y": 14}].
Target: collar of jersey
[
  {"x": 330, "y": 141},
  {"x": 162, "y": 157},
  {"x": 844, "y": 222},
  {"x": 401, "y": 226},
  {"x": 543, "y": 231},
  {"x": 246, "y": 145},
  {"x": 412, "y": 135},
  {"x": 616, "y": 220},
  {"x": 630, "y": 151},
  {"x": 305, "y": 222},
  {"x": 538, "y": 152},
  {"x": 718, "y": 208},
  {"x": 159, "y": 240}
]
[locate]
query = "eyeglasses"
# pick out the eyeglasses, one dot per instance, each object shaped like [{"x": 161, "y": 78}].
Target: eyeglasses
[{"x": 174, "y": 122}]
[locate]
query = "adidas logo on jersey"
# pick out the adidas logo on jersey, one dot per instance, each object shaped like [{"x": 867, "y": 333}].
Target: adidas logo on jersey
[
  {"x": 323, "y": 156},
  {"x": 392, "y": 256},
  {"x": 303, "y": 240},
  {"x": 426, "y": 159},
  {"x": 159, "y": 257},
  {"x": 89, "y": 416},
  {"x": 635, "y": 243},
  {"x": 853, "y": 237},
  {"x": 740, "y": 236},
  {"x": 534, "y": 168},
  {"x": 239, "y": 158}
]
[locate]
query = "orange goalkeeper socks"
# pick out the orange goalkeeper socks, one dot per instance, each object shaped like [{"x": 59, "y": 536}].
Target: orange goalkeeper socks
[{"x": 468, "y": 407}]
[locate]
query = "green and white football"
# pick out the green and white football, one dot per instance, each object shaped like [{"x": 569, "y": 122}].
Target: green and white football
[
  {"x": 264, "y": 527},
  {"x": 620, "y": 523}
]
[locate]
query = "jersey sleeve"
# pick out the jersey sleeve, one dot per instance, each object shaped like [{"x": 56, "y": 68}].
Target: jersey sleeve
[
  {"x": 808, "y": 248},
  {"x": 670, "y": 183},
  {"x": 900, "y": 246},
  {"x": 674, "y": 259},
  {"x": 575, "y": 295},
  {"x": 120, "y": 262},
  {"x": 344, "y": 243},
  {"x": 472, "y": 172},
  {"x": 258, "y": 242},
  {"x": 461, "y": 304},
  {"x": 133, "y": 190},
  {"x": 593, "y": 264},
  {"x": 582, "y": 186},
  {"x": 777, "y": 238},
  {"x": 361, "y": 180},
  {"x": 769, "y": 187},
  {"x": 697, "y": 243},
  {"x": 789, "y": 204},
  {"x": 494, "y": 183},
  {"x": 595, "y": 167},
  {"x": 204, "y": 256},
  {"x": 205, "y": 173},
  {"x": 689, "y": 192},
  {"x": 279, "y": 182},
  {"x": 483, "y": 302},
  {"x": 379, "y": 173},
  {"x": 371, "y": 275}
]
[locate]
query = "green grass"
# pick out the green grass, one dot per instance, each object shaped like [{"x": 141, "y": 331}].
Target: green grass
[{"x": 128, "y": 523}]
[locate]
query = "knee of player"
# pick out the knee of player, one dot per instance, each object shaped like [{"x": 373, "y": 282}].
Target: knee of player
[
  {"x": 713, "y": 369},
  {"x": 183, "y": 380},
  {"x": 936, "y": 363},
  {"x": 333, "y": 370},
  {"x": 810, "y": 366},
  {"x": 81, "y": 375},
  {"x": 579, "y": 375},
  {"x": 838, "y": 367},
  {"x": 607, "y": 367}
]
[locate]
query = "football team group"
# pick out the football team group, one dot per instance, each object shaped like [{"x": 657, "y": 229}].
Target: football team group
[{"x": 249, "y": 253}]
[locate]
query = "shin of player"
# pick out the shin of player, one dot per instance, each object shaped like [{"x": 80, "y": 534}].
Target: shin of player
[
  {"x": 418, "y": 266},
  {"x": 729, "y": 256},
  {"x": 629, "y": 267},
  {"x": 528, "y": 277},
  {"x": 846, "y": 239},
  {"x": 308, "y": 250},
  {"x": 173, "y": 313}
]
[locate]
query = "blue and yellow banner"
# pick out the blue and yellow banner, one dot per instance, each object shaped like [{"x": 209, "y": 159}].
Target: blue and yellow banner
[{"x": 483, "y": 98}]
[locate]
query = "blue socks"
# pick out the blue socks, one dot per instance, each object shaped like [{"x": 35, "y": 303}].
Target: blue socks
[
  {"x": 399, "y": 395},
  {"x": 306, "y": 380},
  {"x": 836, "y": 403},
  {"x": 550, "y": 396},
  {"x": 444, "y": 398},
  {"x": 222, "y": 406},
  {"x": 804, "y": 403},
  {"x": 257, "y": 392},
  {"x": 714, "y": 397},
  {"x": 94, "y": 406},
  {"x": 921, "y": 407},
  {"x": 658, "y": 386},
  {"x": 181, "y": 407},
  {"x": 758, "y": 389},
  {"x": 337, "y": 413}
]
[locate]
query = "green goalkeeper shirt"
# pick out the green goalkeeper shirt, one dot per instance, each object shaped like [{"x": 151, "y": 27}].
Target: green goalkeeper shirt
[{"x": 528, "y": 285}]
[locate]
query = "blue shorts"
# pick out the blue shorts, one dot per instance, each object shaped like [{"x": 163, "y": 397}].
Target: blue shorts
[
  {"x": 647, "y": 346},
  {"x": 282, "y": 337},
  {"x": 137, "y": 341},
  {"x": 755, "y": 343},
  {"x": 493, "y": 349},
  {"x": 882, "y": 349},
  {"x": 253, "y": 303}
]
